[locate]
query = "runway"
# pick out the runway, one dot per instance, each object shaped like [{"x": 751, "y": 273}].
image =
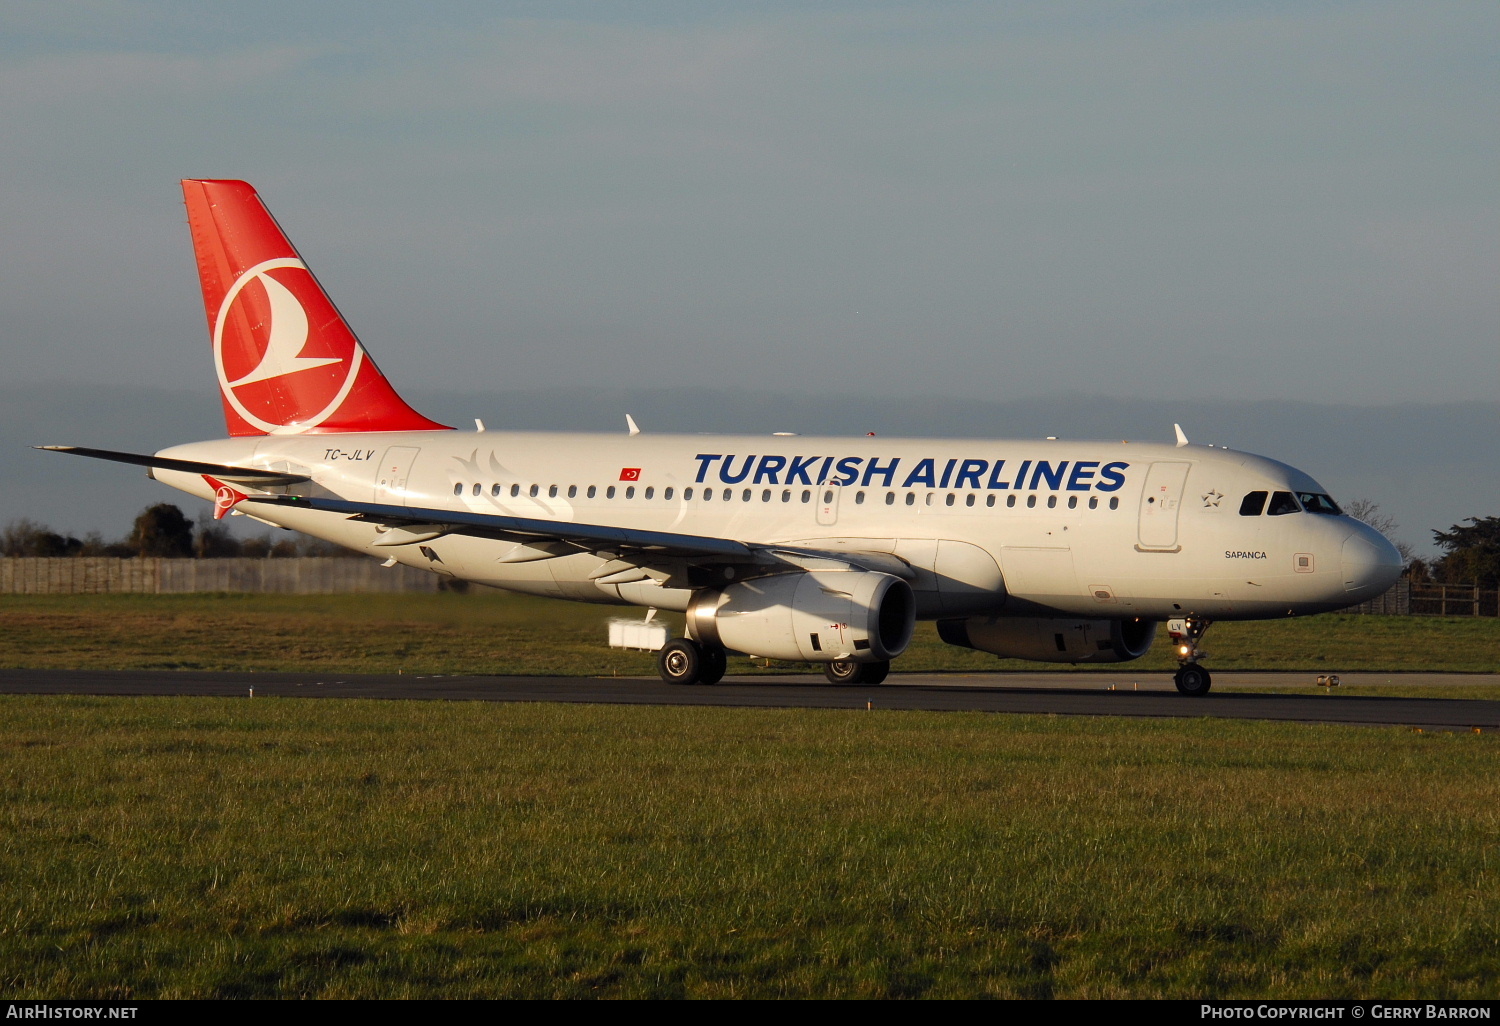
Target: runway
[{"x": 1068, "y": 694}]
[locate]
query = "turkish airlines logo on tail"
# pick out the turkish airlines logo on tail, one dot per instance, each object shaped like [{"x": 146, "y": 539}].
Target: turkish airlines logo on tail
[{"x": 282, "y": 370}]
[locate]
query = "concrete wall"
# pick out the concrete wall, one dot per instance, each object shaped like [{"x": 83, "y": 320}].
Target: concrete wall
[{"x": 304, "y": 576}]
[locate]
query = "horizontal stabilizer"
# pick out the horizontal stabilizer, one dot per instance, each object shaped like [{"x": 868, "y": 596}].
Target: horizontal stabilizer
[{"x": 262, "y": 477}]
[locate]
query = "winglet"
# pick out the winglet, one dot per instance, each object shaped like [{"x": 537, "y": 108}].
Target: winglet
[
  {"x": 1181, "y": 438},
  {"x": 631, "y": 425},
  {"x": 225, "y": 496}
]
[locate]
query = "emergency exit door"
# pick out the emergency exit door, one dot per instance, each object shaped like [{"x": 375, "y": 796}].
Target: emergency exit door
[{"x": 828, "y": 504}]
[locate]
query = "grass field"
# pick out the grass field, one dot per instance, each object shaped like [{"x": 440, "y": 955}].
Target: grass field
[
  {"x": 500, "y": 633},
  {"x": 230, "y": 848}
]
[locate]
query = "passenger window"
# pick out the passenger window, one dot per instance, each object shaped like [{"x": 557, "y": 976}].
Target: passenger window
[
  {"x": 630, "y": 492},
  {"x": 1253, "y": 504},
  {"x": 1010, "y": 500},
  {"x": 515, "y": 490},
  {"x": 1093, "y": 502},
  {"x": 950, "y": 498},
  {"x": 1030, "y": 501},
  {"x": 786, "y": 495},
  {"x": 911, "y": 498},
  {"x": 477, "y": 487},
  {"x": 593, "y": 491},
  {"x": 494, "y": 491},
  {"x": 667, "y": 494},
  {"x": 989, "y": 500},
  {"x": 572, "y": 491},
  {"x": 458, "y": 489},
  {"x": 969, "y": 499},
  {"x": 535, "y": 489},
  {"x": 1072, "y": 502},
  {"x": 650, "y": 492},
  {"x": 765, "y": 496},
  {"x": 859, "y": 498},
  {"x": 1281, "y": 504},
  {"x": 929, "y": 498},
  {"x": 806, "y": 495},
  {"x": 745, "y": 495},
  {"x": 708, "y": 494},
  {"x": 609, "y": 493},
  {"x": 552, "y": 491},
  {"x": 687, "y": 493},
  {"x": 890, "y": 498},
  {"x": 1051, "y": 502},
  {"x": 728, "y": 494},
  {"x": 1114, "y": 502}
]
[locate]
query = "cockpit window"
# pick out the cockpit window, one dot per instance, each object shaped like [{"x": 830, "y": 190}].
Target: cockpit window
[
  {"x": 1253, "y": 504},
  {"x": 1315, "y": 503},
  {"x": 1282, "y": 503}
]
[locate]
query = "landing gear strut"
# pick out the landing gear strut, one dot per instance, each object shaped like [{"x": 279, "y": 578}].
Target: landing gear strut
[
  {"x": 684, "y": 661},
  {"x": 1191, "y": 678},
  {"x": 845, "y": 672}
]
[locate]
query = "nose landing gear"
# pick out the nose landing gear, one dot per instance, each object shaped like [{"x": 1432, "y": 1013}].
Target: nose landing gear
[{"x": 1191, "y": 678}]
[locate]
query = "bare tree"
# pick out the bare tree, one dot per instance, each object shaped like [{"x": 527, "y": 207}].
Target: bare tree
[{"x": 1368, "y": 511}]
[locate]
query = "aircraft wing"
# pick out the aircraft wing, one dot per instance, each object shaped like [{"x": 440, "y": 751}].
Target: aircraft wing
[
  {"x": 632, "y": 554},
  {"x": 249, "y": 475},
  {"x": 585, "y": 537}
]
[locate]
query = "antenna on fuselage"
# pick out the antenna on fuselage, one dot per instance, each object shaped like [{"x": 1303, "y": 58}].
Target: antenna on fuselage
[
  {"x": 1181, "y": 438},
  {"x": 631, "y": 426}
]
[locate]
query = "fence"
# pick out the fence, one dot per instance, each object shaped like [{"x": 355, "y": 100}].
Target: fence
[
  {"x": 1408, "y": 599},
  {"x": 301, "y": 575}
]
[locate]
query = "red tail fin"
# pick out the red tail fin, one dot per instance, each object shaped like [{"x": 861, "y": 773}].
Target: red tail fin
[{"x": 286, "y": 360}]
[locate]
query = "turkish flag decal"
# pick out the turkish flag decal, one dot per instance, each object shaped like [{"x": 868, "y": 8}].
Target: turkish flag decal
[{"x": 630, "y": 473}]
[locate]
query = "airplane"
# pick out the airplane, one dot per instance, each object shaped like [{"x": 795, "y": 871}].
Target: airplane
[{"x": 822, "y": 550}]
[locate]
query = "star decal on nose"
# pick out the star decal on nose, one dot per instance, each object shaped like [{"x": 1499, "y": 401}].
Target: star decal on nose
[{"x": 1212, "y": 497}]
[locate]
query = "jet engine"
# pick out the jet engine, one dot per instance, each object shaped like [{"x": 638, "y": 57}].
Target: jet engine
[
  {"x": 1052, "y": 641},
  {"x": 817, "y": 616}
]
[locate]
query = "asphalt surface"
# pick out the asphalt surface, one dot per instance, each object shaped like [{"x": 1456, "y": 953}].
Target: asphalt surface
[{"x": 1070, "y": 694}]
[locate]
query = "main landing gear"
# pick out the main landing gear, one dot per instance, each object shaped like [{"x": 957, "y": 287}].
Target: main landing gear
[
  {"x": 846, "y": 672},
  {"x": 1191, "y": 678},
  {"x": 684, "y": 661}
]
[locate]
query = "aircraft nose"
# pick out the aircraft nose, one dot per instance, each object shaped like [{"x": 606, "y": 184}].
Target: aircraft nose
[{"x": 1370, "y": 563}]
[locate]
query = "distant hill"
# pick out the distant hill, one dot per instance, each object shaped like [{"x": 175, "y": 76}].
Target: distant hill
[{"x": 1428, "y": 465}]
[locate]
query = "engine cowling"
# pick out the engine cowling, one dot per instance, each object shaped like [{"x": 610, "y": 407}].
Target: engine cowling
[
  {"x": 816, "y": 616},
  {"x": 1052, "y": 641}
]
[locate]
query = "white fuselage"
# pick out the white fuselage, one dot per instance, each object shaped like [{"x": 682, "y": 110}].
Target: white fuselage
[{"x": 1026, "y": 528}]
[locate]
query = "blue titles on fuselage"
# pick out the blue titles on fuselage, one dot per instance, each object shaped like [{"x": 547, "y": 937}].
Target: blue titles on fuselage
[{"x": 930, "y": 472}]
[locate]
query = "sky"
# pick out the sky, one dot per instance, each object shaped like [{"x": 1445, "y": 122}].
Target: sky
[{"x": 1278, "y": 201}]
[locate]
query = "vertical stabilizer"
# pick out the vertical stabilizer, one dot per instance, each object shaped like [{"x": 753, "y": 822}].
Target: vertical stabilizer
[{"x": 287, "y": 362}]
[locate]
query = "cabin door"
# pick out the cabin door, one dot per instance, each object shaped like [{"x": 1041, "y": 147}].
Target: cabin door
[
  {"x": 390, "y": 482},
  {"x": 1161, "y": 501}
]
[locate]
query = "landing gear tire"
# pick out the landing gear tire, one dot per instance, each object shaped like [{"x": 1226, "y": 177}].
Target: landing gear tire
[
  {"x": 845, "y": 672},
  {"x": 715, "y": 662},
  {"x": 1193, "y": 679},
  {"x": 681, "y": 662}
]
